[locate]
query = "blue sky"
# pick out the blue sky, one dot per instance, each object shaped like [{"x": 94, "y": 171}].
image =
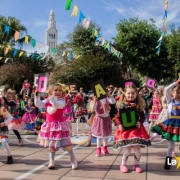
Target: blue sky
[{"x": 34, "y": 14}]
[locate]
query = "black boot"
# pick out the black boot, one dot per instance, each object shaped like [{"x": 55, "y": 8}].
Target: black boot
[
  {"x": 168, "y": 161},
  {"x": 9, "y": 160}
]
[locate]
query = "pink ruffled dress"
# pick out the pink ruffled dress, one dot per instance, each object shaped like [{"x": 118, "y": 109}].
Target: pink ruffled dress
[{"x": 54, "y": 132}]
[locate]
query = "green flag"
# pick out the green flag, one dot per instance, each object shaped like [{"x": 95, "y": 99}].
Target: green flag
[
  {"x": 33, "y": 42},
  {"x": 68, "y": 4}
]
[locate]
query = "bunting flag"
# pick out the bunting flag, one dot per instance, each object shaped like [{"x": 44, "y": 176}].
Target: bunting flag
[
  {"x": 47, "y": 49},
  {"x": 71, "y": 56},
  {"x": 16, "y": 35},
  {"x": 68, "y": 4},
  {"x": 6, "y": 29},
  {"x": 99, "y": 35},
  {"x": 1, "y": 58},
  {"x": 96, "y": 33},
  {"x": 164, "y": 30},
  {"x": 81, "y": 17},
  {"x": 33, "y": 43},
  {"x": 21, "y": 53},
  {"x": 15, "y": 52},
  {"x": 64, "y": 53},
  {"x": 53, "y": 50},
  {"x": 32, "y": 56},
  {"x": 40, "y": 45},
  {"x": 38, "y": 57},
  {"x": 58, "y": 51},
  {"x": 75, "y": 11},
  {"x": 6, "y": 60},
  {"x": 78, "y": 56},
  {"x": 93, "y": 31},
  {"x": 26, "y": 39},
  {"x": 67, "y": 55},
  {"x": 87, "y": 24}
]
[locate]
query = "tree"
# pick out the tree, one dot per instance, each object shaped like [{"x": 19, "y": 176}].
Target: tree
[
  {"x": 94, "y": 62},
  {"x": 137, "y": 41},
  {"x": 173, "y": 48}
]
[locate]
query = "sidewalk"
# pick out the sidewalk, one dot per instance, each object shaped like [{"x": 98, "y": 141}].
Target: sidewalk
[{"x": 30, "y": 162}]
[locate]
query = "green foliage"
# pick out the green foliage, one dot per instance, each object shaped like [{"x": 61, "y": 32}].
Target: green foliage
[
  {"x": 94, "y": 63},
  {"x": 137, "y": 41}
]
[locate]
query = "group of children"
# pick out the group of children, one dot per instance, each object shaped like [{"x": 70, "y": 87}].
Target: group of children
[{"x": 55, "y": 131}]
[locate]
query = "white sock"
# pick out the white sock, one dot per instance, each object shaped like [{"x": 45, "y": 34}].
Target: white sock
[
  {"x": 105, "y": 141},
  {"x": 51, "y": 156},
  {"x": 99, "y": 142},
  {"x": 137, "y": 154},
  {"x": 7, "y": 148},
  {"x": 126, "y": 153},
  {"x": 170, "y": 148},
  {"x": 71, "y": 154},
  {"x": 77, "y": 123}
]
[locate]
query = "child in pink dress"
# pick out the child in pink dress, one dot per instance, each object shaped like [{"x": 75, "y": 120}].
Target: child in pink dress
[
  {"x": 156, "y": 109},
  {"x": 55, "y": 133}
]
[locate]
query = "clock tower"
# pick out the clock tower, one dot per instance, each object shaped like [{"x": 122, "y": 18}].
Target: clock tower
[{"x": 51, "y": 32}]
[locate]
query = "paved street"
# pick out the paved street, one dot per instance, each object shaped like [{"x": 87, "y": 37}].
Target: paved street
[{"x": 30, "y": 162}]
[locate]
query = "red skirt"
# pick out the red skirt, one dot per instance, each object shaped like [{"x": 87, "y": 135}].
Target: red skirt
[{"x": 137, "y": 136}]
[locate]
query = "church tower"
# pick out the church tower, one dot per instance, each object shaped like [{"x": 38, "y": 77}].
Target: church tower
[{"x": 51, "y": 32}]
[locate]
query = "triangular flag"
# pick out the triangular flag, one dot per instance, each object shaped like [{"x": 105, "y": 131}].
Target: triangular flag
[
  {"x": 58, "y": 51},
  {"x": 96, "y": 33},
  {"x": 67, "y": 55},
  {"x": 75, "y": 11},
  {"x": 103, "y": 41},
  {"x": 84, "y": 21},
  {"x": 33, "y": 42},
  {"x": 68, "y": 4},
  {"x": 47, "y": 49},
  {"x": 64, "y": 53},
  {"x": 74, "y": 56},
  {"x": 53, "y": 50},
  {"x": 38, "y": 57},
  {"x": 158, "y": 51},
  {"x": 78, "y": 56},
  {"x": 16, "y": 35},
  {"x": 6, "y": 50},
  {"x": 6, "y": 29},
  {"x": 109, "y": 48},
  {"x": 160, "y": 39},
  {"x": 21, "y": 53},
  {"x": 26, "y": 39},
  {"x": 32, "y": 56},
  {"x": 107, "y": 45},
  {"x": 81, "y": 16},
  {"x": 1, "y": 58},
  {"x": 98, "y": 37},
  {"x": 87, "y": 24},
  {"x": 165, "y": 22},
  {"x": 166, "y": 6},
  {"x": 40, "y": 45},
  {"x": 165, "y": 14},
  {"x": 71, "y": 56},
  {"x": 112, "y": 49},
  {"x": 15, "y": 52},
  {"x": 93, "y": 31}
]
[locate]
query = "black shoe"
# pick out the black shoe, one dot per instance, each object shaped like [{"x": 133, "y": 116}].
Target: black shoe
[
  {"x": 9, "y": 160},
  {"x": 167, "y": 164}
]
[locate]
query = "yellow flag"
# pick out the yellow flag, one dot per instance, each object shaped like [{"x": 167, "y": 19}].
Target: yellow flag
[
  {"x": 67, "y": 54},
  {"x": 96, "y": 33},
  {"x": 165, "y": 21},
  {"x": 77, "y": 56},
  {"x": 1, "y": 58},
  {"x": 16, "y": 35},
  {"x": 6, "y": 50},
  {"x": 75, "y": 11},
  {"x": 21, "y": 53},
  {"x": 107, "y": 45},
  {"x": 26, "y": 39}
]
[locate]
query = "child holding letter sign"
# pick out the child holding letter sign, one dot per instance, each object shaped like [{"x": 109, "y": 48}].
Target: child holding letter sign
[
  {"x": 55, "y": 132},
  {"x": 131, "y": 138}
]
